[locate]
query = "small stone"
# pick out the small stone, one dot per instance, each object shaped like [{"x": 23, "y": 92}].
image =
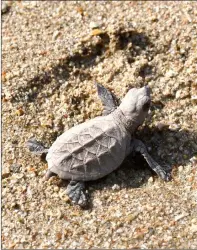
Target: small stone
[
  {"x": 162, "y": 126},
  {"x": 15, "y": 168},
  {"x": 150, "y": 180},
  {"x": 179, "y": 112},
  {"x": 94, "y": 25},
  {"x": 126, "y": 196},
  {"x": 55, "y": 35},
  {"x": 178, "y": 94},
  {"x": 5, "y": 173},
  {"x": 3, "y": 76},
  {"x": 151, "y": 84},
  {"x": 56, "y": 189},
  {"x": 21, "y": 220},
  {"x": 194, "y": 220},
  {"x": 167, "y": 92},
  {"x": 154, "y": 18},
  {"x": 194, "y": 98},
  {"x": 44, "y": 122},
  {"x": 180, "y": 168},
  {"x": 65, "y": 85},
  {"x": 4, "y": 7},
  {"x": 119, "y": 230},
  {"x": 58, "y": 236},
  {"x": 193, "y": 228},
  {"x": 131, "y": 217},
  {"x": 171, "y": 73},
  {"x": 15, "y": 205},
  {"x": 96, "y": 32},
  {"x": 174, "y": 127},
  {"x": 180, "y": 216},
  {"x": 19, "y": 176},
  {"x": 193, "y": 160},
  {"x": 59, "y": 10},
  {"x": 19, "y": 112},
  {"x": 80, "y": 10},
  {"x": 64, "y": 196},
  {"x": 115, "y": 187},
  {"x": 182, "y": 93}
]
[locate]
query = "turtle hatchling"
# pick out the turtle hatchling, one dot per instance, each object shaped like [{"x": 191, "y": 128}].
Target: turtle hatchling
[{"x": 95, "y": 148}]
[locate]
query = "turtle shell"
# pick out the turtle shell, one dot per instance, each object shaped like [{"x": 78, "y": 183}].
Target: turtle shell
[{"x": 89, "y": 150}]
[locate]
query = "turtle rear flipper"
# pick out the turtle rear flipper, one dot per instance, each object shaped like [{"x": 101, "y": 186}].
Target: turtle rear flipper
[
  {"x": 108, "y": 99},
  {"x": 77, "y": 193},
  {"x": 36, "y": 147}
]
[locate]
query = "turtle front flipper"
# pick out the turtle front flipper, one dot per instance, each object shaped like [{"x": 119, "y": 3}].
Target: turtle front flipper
[
  {"x": 77, "y": 193},
  {"x": 109, "y": 100},
  {"x": 139, "y": 146},
  {"x": 36, "y": 147}
]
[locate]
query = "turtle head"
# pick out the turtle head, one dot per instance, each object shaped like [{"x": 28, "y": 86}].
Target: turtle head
[{"x": 135, "y": 105}]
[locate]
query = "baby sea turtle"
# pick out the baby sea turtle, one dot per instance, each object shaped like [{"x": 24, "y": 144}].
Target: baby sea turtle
[{"x": 98, "y": 146}]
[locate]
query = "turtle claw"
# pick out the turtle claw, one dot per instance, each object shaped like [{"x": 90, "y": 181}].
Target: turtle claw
[
  {"x": 83, "y": 201},
  {"x": 166, "y": 176},
  {"x": 77, "y": 193}
]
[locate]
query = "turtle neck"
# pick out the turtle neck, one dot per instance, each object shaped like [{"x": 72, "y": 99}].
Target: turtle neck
[{"x": 128, "y": 123}]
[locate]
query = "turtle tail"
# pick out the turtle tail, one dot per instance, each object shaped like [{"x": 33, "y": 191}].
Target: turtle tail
[{"x": 36, "y": 147}]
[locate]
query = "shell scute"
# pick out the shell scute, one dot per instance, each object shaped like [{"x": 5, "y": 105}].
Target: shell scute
[
  {"x": 73, "y": 147},
  {"x": 101, "y": 150},
  {"x": 111, "y": 143},
  {"x": 84, "y": 139},
  {"x": 95, "y": 131},
  {"x": 76, "y": 165}
]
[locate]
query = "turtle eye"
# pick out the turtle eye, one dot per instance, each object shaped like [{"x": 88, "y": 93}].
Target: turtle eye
[{"x": 146, "y": 106}]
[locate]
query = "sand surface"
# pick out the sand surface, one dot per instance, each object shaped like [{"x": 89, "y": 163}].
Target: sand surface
[{"x": 52, "y": 54}]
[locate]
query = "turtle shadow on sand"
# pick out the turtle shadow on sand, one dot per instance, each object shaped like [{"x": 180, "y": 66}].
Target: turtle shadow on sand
[
  {"x": 87, "y": 56},
  {"x": 134, "y": 172}
]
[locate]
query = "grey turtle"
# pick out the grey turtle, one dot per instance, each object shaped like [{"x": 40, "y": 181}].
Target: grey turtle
[{"x": 97, "y": 147}]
